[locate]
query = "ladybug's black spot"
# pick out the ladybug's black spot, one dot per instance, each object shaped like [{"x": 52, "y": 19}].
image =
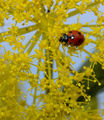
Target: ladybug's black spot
[
  {"x": 80, "y": 41},
  {"x": 79, "y": 33},
  {"x": 71, "y": 43}
]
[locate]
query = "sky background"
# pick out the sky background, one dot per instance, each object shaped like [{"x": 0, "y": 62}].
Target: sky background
[{"x": 88, "y": 17}]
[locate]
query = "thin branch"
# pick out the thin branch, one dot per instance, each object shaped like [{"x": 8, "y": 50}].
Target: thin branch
[
  {"x": 75, "y": 12},
  {"x": 38, "y": 34},
  {"x": 87, "y": 52},
  {"x": 29, "y": 42},
  {"x": 93, "y": 25},
  {"x": 21, "y": 31},
  {"x": 92, "y": 34}
]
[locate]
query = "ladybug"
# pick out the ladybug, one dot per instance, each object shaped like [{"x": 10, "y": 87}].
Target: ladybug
[{"x": 73, "y": 38}]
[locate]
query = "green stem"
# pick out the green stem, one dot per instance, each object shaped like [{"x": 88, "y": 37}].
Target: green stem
[
  {"x": 48, "y": 64},
  {"x": 35, "y": 93}
]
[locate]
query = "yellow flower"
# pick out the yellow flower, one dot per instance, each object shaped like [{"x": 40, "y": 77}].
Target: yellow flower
[{"x": 50, "y": 67}]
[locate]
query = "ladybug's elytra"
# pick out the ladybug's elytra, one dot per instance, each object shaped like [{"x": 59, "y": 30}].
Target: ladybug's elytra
[{"x": 73, "y": 38}]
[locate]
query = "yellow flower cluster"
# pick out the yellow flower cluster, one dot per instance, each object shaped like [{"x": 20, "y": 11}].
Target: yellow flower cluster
[{"x": 55, "y": 97}]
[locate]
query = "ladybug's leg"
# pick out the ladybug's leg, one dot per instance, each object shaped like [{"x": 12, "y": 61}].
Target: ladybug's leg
[{"x": 71, "y": 44}]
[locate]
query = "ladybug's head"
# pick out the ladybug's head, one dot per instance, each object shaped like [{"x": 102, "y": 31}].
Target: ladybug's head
[{"x": 64, "y": 39}]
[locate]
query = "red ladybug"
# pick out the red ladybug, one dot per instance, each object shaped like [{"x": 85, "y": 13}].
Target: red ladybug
[{"x": 73, "y": 38}]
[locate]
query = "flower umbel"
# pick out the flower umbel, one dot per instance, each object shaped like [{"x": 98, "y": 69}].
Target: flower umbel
[{"x": 61, "y": 93}]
